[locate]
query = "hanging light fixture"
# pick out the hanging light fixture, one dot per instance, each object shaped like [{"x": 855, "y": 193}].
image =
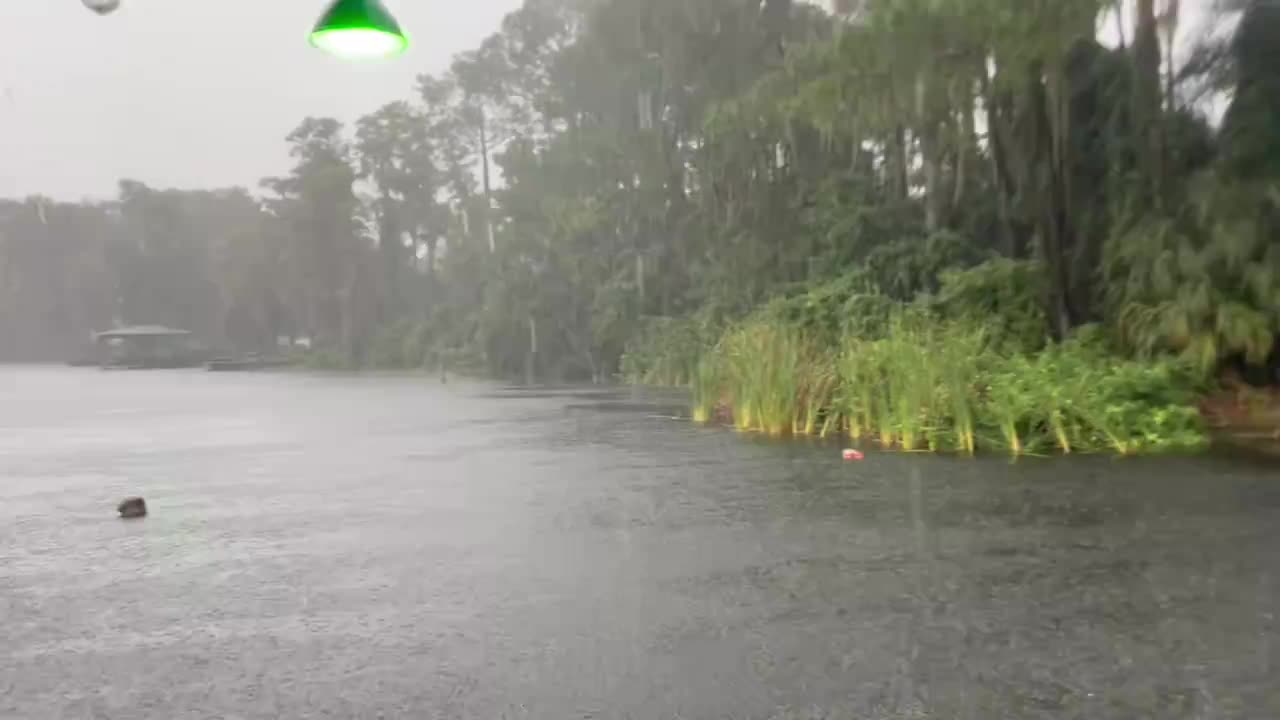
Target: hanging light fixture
[
  {"x": 359, "y": 30},
  {"x": 102, "y": 7}
]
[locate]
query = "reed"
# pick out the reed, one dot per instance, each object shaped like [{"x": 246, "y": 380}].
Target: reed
[
  {"x": 817, "y": 414},
  {"x": 926, "y": 384},
  {"x": 959, "y": 358},
  {"x": 707, "y": 387}
]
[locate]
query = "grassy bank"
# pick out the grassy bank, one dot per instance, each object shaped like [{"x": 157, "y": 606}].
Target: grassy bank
[
  {"x": 921, "y": 376},
  {"x": 943, "y": 386}
]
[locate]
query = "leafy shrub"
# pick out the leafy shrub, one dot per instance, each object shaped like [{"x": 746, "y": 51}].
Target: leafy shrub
[
  {"x": 851, "y": 303},
  {"x": 1006, "y": 296},
  {"x": 666, "y": 351},
  {"x": 1203, "y": 282},
  {"x": 906, "y": 268},
  {"x": 1076, "y": 397}
]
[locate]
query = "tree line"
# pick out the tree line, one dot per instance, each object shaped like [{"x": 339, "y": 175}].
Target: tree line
[{"x": 598, "y": 170}]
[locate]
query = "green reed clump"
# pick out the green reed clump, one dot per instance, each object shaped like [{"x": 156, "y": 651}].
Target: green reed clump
[
  {"x": 930, "y": 384},
  {"x": 760, "y": 376},
  {"x": 776, "y": 379},
  {"x": 707, "y": 388},
  {"x": 814, "y": 411},
  {"x": 960, "y": 353},
  {"x": 915, "y": 388}
]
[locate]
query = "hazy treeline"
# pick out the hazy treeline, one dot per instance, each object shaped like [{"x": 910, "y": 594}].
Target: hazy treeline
[{"x": 598, "y": 170}]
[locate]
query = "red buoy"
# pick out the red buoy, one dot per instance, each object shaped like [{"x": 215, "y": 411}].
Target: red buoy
[{"x": 852, "y": 454}]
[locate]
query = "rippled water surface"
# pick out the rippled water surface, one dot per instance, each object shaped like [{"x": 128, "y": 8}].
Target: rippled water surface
[{"x": 347, "y": 547}]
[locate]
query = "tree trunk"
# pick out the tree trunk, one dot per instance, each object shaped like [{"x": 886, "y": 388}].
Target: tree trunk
[
  {"x": 900, "y": 184},
  {"x": 777, "y": 15},
  {"x": 1172, "y": 12},
  {"x": 896, "y": 159},
  {"x": 390, "y": 249},
  {"x": 431, "y": 242},
  {"x": 1000, "y": 138},
  {"x": 1047, "y": 132},
  {"x": 1146, "y": 97},
  {"x": 488, "y": 182},
  {"x": 531, "y": 360},
  {"x": 966, "y": 131},
  {"x": 930, "y": 152}
]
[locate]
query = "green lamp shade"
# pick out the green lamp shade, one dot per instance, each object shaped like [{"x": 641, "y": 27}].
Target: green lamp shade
[{"x": 359, "y": 30}]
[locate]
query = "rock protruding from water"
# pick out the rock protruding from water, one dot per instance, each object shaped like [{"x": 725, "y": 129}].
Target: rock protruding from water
[{"x": 134, "y": 507}]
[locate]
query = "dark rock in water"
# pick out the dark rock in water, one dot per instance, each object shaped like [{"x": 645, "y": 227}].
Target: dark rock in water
[{"x": 134, "y": 507}]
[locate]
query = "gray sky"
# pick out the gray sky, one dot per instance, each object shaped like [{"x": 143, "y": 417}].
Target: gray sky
[
  {"x": 190, "y": 93},
  {"x": 200, "y": 93}
]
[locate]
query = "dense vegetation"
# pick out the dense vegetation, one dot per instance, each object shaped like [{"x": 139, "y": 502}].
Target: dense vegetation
[{"x": 939, "y": 223}]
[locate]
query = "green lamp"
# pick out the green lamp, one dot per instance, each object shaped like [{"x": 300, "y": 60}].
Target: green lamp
[{"x": 359, "y": 30}]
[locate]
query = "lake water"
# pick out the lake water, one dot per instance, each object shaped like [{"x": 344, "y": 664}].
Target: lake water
[{"x": 387, "y": 547}]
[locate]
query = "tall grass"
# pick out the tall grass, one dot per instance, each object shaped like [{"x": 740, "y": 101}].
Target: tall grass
[
  {"x": 707, "y": 388},
  {"x": 926, "y": 384},
  {"x": 959, "y": 357},
  {"x": 914, "y": 388},
  {"x": 774, "y": 378}
]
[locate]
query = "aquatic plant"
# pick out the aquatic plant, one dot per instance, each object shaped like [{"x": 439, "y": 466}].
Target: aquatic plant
[
  {"x": 707, "y": 388},
  {"x": 933, "y": 384}
]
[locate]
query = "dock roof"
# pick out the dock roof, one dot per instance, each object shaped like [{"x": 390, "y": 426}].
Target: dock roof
[{"x": 141, "y": 331}]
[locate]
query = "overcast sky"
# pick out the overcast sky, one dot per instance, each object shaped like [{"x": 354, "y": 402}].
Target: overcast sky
[
  {"x": 200, "y": 93},
  {"x": 190, "y": 93}
]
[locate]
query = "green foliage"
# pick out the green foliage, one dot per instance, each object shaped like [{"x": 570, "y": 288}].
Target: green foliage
[
  {"x": 1251, "y": 145},
  {"x": 906, "y": 268},
  {"x": 666, "y": 351},
  {"x": 1076, "y": 397},
  {"x": 851, "y": 219},
  {"x": 912, "y": 388},
  {"x": 939, "y": 385},
  {"x": 774, "y": 379},
  {"x": 1007, "y": 296},
  {"x": 851, "y": 303},
  {"x": 1204, "y": 282}
]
